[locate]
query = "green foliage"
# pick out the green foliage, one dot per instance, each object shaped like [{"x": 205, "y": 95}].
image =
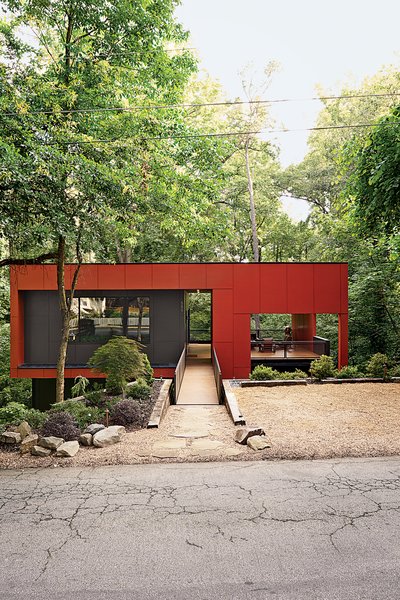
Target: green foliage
[
  {"x": 296, "y": 374},
  {"x": 127, "y": 412},
  {"x": 322, "y": 367},
  {"x": 35, "y": 418},
  {"x": 147, "y": 370},
  {"x": 13, "y": 413},
  {"x": 348, "y": 372},
  {"x": 83, "y": 415},
  {"x": 394, "y": 371},
  {"x": 95, "y": 398},
  {"x": 60, "y": 424},
  {"x": 79, "y": 387},
  {"x": 377, "y": 365},
  {"x": 120, "y": 359},
  {"x": 139, "y": 390},
  {"x": 11, "y": 390},
  {"x": 261, "y": 373}
]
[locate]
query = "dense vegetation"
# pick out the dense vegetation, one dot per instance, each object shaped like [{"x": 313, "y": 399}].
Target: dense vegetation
[{"x": 88, "y": 174}]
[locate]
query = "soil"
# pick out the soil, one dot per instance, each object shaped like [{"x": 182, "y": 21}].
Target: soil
[{"x": 304, "y": 422}]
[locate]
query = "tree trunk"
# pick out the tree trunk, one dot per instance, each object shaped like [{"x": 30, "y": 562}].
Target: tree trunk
[
  {"x": 66, "y": 310},
  {"x": 254, "y": 237}
]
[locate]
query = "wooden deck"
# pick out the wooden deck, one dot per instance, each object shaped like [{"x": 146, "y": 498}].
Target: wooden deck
[
  {"x": 198, "y": 385},
  {"x": 279, "y": 354}
]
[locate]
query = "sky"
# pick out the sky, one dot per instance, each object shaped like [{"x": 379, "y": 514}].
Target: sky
[{"x": 315, "y": 42}]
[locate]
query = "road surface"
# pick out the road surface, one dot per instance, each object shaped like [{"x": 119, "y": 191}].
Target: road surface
[{"x": 290, "y": 530}]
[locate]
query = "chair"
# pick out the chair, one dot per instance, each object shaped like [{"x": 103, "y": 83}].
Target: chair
[{"x": 266, "y": 345}]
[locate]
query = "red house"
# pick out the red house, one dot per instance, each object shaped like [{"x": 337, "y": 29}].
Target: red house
[{"x": 147, "y": 301}]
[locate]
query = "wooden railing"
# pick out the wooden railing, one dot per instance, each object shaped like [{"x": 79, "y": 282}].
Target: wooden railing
[
  {"x": 217, "y": 376},
  {"x": 317, "y": 345},
  {"x": 178, "y": 377}
]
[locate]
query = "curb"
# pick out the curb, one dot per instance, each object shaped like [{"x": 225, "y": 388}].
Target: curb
[
  {"x": 161, "y": 406},
  {"x": 231, "y": 404}
]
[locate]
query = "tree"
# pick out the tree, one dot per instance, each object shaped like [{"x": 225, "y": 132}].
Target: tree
[{"x": 60, "y": 189}]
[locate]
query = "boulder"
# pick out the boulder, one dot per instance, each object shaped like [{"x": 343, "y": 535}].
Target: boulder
[
  {"x": 86, "y": 439},
  {"x": 258, "y": 442},
  {"x": 51, "y": 442},
  {"x": 94, "y": 428},
  {"x": 24, "y": 429},
  {"x": 10, "y": 437},
  {"x": 108, "y": 436},
  {"x": 40, "y": 451},
  {"x": 244, "y": 433},
  {"x": 68, "y": 449},
  {"x": 28, "y": 442}
]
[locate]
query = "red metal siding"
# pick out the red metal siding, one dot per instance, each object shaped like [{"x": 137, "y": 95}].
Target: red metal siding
[{"x": 238, "y": 291}]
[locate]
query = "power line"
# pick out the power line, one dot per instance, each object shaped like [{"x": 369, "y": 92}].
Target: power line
[
  {"x": 122, "y": 109},
  {"x": 212, "y": 135}
]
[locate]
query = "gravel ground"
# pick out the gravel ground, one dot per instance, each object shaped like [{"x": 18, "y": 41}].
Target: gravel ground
[
  {"x": 314, "y": 421},
  {"x": 326, "y": 421}
]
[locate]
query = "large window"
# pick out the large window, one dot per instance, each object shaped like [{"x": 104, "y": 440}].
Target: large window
[{"x": 95, "y": 320}]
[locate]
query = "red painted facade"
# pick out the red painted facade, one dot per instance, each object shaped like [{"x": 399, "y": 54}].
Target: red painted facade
[{"x": 238, "y": 290}]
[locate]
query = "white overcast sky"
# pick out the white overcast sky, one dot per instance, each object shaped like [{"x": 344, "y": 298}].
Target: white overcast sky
[{"x": 315, "y": 41}]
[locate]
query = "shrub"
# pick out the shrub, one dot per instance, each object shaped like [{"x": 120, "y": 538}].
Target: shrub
[
  {"x": 322, "y": 367},
  {"x": 349, "y": 372},
  {"x": 127, "y": 412},
  {"x": 13, "y": 413},
  {"x": 95, "y": 398},
  {"x": 61, "y": 424},
  {"x": 139, "y": 390},
  {"x": 394, "y": 371},
  {"x": 83, "y": 415},
  {"x": 376, "y": 365},
  {"x": 261, "y": 373},
  {"x": 79, "y": 387},
  {"x": 147, "y": 370},
  {"x": 297, "y": 374},
  {"x": 120, "y": 359},
  {"x": 35, "y": 418}
]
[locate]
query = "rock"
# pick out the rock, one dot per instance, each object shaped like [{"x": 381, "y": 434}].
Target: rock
[
  {"x": 51, "y": 442},
  {"x": 10, "y": 437},
  {"x": 24, "y": 429},
  {"x": 68, "y": 449},
  {"x": 94, "y": 428},
  {"x": 86, "y": 439},
  {"x": 244, "y": 433},
  {"x": 28, "y": 442},
  {"x": 108, "y": 436},
  {"x": 258, "y": 442},
  {"x": 40, "y": 451}
]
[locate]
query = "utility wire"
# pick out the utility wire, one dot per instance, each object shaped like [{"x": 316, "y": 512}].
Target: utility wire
[
  {"x": 122, "y": 109},
  {"x": 212, "y": 135}
]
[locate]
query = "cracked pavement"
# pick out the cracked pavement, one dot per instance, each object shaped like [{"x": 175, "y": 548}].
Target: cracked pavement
[{"x": 283, "y": 530}]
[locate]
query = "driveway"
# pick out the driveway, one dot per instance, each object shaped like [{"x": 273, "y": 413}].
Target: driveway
[{"x": 282, "y": 530}]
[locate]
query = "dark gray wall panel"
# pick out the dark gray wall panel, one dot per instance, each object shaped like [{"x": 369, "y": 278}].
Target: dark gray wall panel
[{"x": 43, "y": 327}]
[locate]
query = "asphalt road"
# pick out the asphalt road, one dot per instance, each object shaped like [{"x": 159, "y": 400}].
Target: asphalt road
[{"x": 241, "y": 530}]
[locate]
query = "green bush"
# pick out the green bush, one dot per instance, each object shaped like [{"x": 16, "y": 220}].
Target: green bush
[
  {"x": 13, "y": 413},
  {"x": 263, "y": 373},
  {"x": 289, "y": 375},
  {"x": 139, "y": 390},
  {"x": 95, "y": 398},
  {"x": 11, "y": 389},
  {"x": 322, "y": 367},
  {"x": 394, "y": 371},
  {"x": 377, "y": 364},
  {"x": 83, "y": 415},
  {"x": 147, "y": 370},
  {"x": 79, "y": 387},
  {"x": 61, "y": 424},
  {"x": 127, "y": 412},
  {"x": 35, "y": 418},
  {"x": 120, "y": 359},
  {"x": 348, "y": 372}
]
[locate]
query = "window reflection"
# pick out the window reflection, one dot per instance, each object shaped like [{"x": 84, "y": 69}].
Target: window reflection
[
  {"x": 95, "y": 320},
  {"x": 139, "y": 319}
]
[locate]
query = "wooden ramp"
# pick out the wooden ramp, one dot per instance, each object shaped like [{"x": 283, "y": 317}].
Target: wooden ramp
[{"x": 198, "y": 384}]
